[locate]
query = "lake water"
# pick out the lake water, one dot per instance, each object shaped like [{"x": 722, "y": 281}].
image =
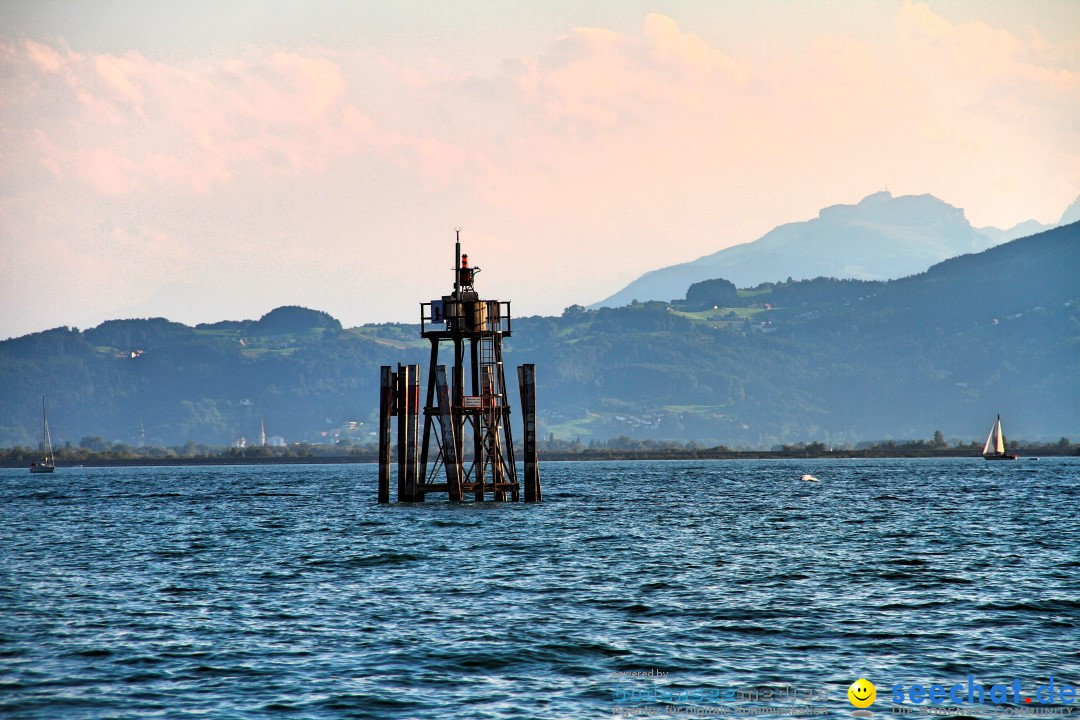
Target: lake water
[{"x": 285, "y": 591}]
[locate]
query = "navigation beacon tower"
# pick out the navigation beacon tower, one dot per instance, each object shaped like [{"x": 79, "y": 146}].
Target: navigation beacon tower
[{"x": 467, "y": 437}]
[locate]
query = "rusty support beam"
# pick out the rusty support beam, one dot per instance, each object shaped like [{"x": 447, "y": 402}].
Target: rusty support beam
[
  {"x": 412, "y": 388},
  {"x": 458, "y": 394},
  {"x": 386, "y": 398},
  {"x": 478, "y": 432},
  {"x": 507, "y": 428},
  {"x": 404, "y": 492},
  {"x": 527, "y": 386},
  {"x": 451, "y": 460},
  {"x": 427, "y": 410}
]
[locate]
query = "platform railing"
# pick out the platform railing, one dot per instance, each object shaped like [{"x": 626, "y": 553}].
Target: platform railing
[{"x": 432, "y": 318}]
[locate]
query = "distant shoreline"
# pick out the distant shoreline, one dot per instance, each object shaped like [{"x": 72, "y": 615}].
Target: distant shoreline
[{"x": 583, "y": 456}]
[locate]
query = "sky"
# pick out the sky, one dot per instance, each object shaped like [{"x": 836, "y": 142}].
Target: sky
[{"x": 206, "y": 161}]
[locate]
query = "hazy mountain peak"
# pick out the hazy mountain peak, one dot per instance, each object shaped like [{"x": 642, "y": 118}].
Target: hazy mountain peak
[
  {"x": 879, "y": 196},
  {"x": 879, "y": 238},
  {"x": 905, "y": 210},
  {"x": 1072, "y": 213}
]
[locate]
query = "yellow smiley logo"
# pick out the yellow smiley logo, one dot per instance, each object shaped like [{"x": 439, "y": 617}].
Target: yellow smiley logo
[{"x": 862, "y": 693}]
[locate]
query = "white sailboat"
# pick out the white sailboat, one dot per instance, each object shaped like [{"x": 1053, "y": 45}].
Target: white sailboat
[
  {"x": 994, "y": 449},
  {"x": 48, "y": 463}
]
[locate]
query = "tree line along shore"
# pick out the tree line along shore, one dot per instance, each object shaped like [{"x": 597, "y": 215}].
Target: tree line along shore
[{"x": 616, "y": 449}]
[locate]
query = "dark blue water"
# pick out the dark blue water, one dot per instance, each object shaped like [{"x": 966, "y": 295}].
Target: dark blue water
[{"x": 269, "y": 592}]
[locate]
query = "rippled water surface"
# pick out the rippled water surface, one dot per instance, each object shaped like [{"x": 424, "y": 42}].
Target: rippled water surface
[{"x": 285, "y": 591}]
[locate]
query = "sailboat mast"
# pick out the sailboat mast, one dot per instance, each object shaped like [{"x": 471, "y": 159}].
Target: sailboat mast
[{"x": 45, "y": 432}]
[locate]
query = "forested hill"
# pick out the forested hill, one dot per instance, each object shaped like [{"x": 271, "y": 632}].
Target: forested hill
[{"x": 838, "y": 361}]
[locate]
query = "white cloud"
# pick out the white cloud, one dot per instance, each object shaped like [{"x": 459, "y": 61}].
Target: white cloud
[{"x": 44, "y": 56}]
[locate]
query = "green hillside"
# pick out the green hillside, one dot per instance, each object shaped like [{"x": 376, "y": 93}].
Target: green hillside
[{"x": 839, "y": 361}]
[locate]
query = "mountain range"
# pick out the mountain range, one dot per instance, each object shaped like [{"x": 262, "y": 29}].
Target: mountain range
[
  {"x": 837, "y": 361},
  {"x": 880, "y": 238}
]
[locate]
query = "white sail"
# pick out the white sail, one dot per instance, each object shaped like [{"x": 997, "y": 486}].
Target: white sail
[{"x": 995, "y": 442}]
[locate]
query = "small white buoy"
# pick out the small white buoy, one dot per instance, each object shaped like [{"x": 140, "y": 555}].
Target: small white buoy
[{"x": 809, "y": 478}]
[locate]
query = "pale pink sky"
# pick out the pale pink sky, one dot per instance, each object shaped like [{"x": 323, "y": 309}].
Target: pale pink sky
[{"x": 207, "y": 161}]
